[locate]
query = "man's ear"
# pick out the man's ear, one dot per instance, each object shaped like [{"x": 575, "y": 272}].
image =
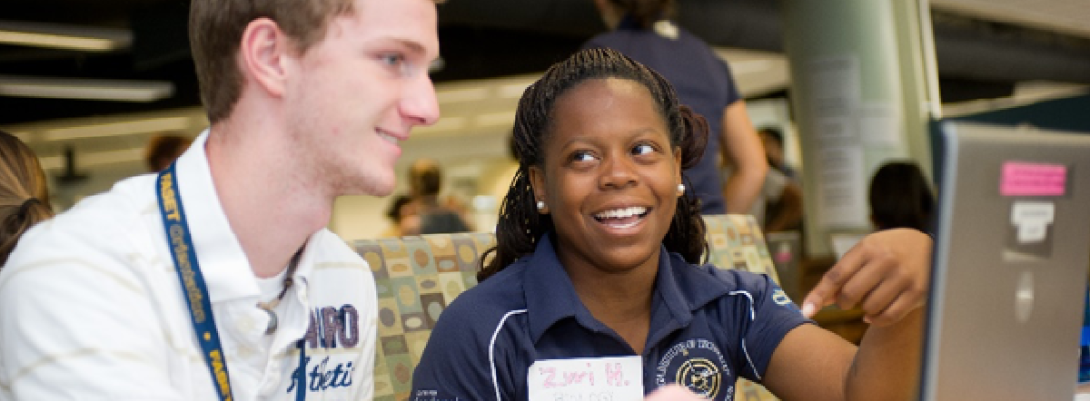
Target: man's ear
[
  {"x": 262, "y": 54},
  {"x": 537, "y": 182}
]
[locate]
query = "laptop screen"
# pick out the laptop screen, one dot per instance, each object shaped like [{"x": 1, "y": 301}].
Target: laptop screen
[{"x": 1010, "y": 264}]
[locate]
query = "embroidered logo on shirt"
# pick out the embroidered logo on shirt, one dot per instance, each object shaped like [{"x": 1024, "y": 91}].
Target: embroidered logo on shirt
[
  {"x": 699, "y": 365},
  {"x": 329, "y": 328},
  {"x": 780, "y": 297}
]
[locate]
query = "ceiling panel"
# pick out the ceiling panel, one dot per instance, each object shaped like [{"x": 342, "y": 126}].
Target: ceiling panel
[{"x": 1068, "y": 16}]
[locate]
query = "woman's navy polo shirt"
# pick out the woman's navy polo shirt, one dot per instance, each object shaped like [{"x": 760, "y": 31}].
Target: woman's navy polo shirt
[{"x": 726, "y": 322}]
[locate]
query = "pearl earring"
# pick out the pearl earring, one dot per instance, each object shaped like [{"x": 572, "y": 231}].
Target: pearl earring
[
  {"x": 681, "y": 188},
  {"x": 540, "y": 205}
]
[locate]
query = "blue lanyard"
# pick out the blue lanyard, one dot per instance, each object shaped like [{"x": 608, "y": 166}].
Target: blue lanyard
[{"x": 196, "y": 292}]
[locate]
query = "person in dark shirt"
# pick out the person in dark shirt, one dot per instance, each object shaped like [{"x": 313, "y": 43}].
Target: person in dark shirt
[
  {"x": 426, "y": 181},
  {"x": 598, "y": 261},
  {"x": 642, "y": 30}
]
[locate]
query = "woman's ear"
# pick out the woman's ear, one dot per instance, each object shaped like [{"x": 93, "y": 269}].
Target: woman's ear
[
  {"x": 677, "y": 163},
  {"x": 537, "y": 182}
]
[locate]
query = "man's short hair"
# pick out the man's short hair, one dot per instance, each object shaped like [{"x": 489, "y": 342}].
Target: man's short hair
[{"x": 215, "y": 33}]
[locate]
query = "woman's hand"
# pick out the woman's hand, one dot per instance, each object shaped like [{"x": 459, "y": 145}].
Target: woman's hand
[{"x": 887, "y": 274}]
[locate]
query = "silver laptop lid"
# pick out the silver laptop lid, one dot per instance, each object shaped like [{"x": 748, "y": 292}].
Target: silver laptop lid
[{"x": 1011, "y": 258}]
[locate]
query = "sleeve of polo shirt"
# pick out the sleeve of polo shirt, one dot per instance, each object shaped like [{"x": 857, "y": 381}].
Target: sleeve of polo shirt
[
  {"x": 77, "y": 322},
  {"x": 732, "y": 88},
  {"x": 456, "y": 363},
  {"x": 773, "y": 315}
]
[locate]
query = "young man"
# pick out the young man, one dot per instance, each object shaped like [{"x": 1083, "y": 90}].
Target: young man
[{"x": 248, "y": 297}]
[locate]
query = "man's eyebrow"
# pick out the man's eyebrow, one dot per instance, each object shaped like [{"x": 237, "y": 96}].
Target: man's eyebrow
[{"x": 412, "y": 45}]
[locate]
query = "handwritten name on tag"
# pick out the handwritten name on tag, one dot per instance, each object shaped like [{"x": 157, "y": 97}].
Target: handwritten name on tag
[{"x": 587, "y": 379}]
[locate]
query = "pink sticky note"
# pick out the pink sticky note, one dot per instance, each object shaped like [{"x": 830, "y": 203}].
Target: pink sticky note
[{"x": 1032, "y": 179}]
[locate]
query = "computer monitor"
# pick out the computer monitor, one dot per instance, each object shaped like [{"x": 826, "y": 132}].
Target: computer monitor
[{"x": 1011, "y": 257}]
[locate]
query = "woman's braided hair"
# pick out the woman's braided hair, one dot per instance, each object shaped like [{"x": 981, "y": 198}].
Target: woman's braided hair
[{"x": 520, "y": 225}]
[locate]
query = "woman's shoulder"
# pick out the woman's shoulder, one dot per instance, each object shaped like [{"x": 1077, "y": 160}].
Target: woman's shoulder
[{"x": 492, "y": 298}]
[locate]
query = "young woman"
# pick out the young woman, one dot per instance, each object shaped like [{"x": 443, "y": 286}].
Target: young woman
[{"x": 598, "y": 256}]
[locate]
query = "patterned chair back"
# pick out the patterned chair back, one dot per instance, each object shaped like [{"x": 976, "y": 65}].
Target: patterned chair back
[{"x": 417, "y": 277}]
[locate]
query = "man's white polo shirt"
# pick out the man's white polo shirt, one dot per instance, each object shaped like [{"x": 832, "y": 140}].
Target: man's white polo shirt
[{"x": 91, "y": 307}]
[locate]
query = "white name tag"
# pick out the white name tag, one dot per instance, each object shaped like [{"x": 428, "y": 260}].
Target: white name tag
[{"x": 587, "y": 379}]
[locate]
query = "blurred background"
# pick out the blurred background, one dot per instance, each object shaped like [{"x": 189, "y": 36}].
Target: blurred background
[{"x": 86, "y": 83}]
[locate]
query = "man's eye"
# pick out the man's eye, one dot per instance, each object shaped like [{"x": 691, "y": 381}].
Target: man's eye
[{"x": 392, "y": 59}]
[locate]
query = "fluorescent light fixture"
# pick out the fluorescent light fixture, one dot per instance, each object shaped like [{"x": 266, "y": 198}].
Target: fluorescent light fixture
[
  {"x": 445, "y": 124},
  {"x": 515, "y": 90},
  {"x": 504, "y": 118},
  {"x": 85, "y": 89},
  {"x": 461, "y": 95},
  {"x": 118, "y": 128},
  {"x": 94, "y": 159},
  {"x": 68, "y": 37},
  {"x": 750, "y": 66}
]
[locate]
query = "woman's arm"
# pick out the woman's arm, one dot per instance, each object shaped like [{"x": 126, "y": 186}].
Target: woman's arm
[
  {"x": 887, "y": 276},
  {"x": 742, "y": 149}
]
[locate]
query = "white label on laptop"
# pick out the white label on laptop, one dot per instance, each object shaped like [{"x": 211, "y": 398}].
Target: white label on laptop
[
  {"x": 608, "y": 379},
  {"x": 1032, "y": 220}
]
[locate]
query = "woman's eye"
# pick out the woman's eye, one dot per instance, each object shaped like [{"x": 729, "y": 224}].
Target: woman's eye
[
  {"x": 582, "y": 157},
  {"x": 642, "y": 149}
]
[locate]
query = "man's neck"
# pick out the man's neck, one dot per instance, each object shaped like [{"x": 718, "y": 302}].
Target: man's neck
[{"x": 272, "y": 205}]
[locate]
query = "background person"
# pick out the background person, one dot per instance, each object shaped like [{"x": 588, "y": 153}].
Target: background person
[
  {"x": 642, "y": 30},
  {"x": 403, "y": 217},
  {"x": 425, "y": 182},
  {"x": 900, "y": 196},
  {"x": 24, "y": 192},
  {"x": 772, "y": 141},
  {"x": 598, "y": 251},
  {"x": 308, "y": 100},
  {"x": 164, "y": 149}
]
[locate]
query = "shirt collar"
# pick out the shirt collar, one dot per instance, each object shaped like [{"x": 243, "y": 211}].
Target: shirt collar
[
  {"x": 226, "y": 269},
  {"x": 550, "y": 294}
]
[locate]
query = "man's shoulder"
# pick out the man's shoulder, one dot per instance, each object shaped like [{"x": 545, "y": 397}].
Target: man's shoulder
[
  {"x": 334, "y": 249},
  {"x": 103, "y": 242},
  {"x": 96, "y": 222},
  {"x": 338, "y": 269}
]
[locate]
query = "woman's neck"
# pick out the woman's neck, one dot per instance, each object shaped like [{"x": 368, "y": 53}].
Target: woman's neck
[{"x": 620, "y": 300}]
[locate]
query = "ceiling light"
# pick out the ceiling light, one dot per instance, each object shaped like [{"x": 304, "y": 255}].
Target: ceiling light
[
  {"x": 67, "y": 37},
  {"x": 85, "y": 89},
  {"x": 118, "y": 128},
  {"x": 461, "y": 95}
]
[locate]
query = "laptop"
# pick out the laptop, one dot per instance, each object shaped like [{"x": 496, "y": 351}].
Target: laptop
[{"x": 1011, "y": 258}]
